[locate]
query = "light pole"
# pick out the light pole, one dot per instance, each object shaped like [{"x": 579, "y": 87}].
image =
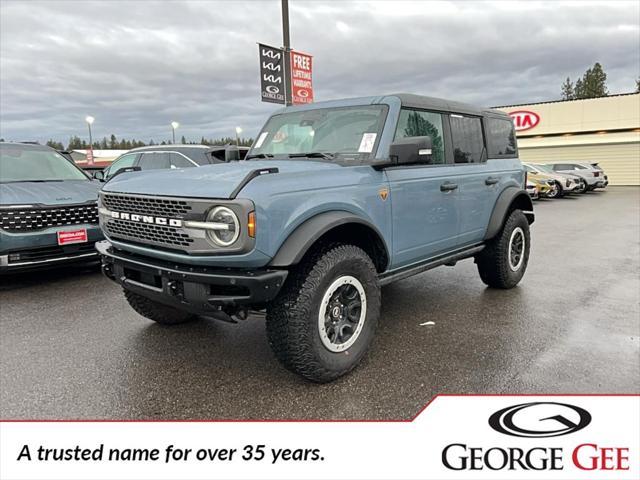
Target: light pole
[
  {"x": 238, "y": 132},
  {"x": 174, "y": 125},
  {"x": 89, "y": 119},
  {"x": 286, "y": 41}
]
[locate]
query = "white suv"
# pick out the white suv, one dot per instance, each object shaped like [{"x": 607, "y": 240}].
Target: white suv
[{"x": 592, "y": 173}]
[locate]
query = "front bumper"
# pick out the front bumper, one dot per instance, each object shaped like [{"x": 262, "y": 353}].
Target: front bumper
[
  {"x": 200, "y": 290},
  {"x": 40, "y": 249}
]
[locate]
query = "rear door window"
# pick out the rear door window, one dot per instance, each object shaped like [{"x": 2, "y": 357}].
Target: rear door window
[
  {"x": 501, "y": 138},
  {"x": 468, "y": 140},
  {"x": 418, "y": 123},
  {"x": 178, "y": 161},
  {"x": 154, "y": 160}
]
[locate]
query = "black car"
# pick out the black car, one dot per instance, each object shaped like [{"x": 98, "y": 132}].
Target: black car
[{"x": 173, "y": 156}]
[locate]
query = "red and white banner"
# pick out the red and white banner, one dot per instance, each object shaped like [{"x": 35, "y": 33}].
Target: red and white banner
[
  {"x": 301, "y": 78},
  {"x": 455, "y": 437}
]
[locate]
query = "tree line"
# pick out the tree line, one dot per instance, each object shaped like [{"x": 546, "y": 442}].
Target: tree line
[
  {"x": 593, "y": 84},
  {"x": 113, "y": 143}
]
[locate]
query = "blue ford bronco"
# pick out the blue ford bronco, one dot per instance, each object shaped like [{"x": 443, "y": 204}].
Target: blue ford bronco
[{"x": 333, "y": 201}]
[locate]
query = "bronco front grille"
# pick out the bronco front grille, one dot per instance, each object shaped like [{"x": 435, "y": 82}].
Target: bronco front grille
[
  {"x": 144, "y": 232},
  {"x": 161, "y": 207},
  {"x": 33, "y": 219}
]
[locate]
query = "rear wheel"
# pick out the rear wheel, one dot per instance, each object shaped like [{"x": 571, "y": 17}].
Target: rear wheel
[
  {"x": 323, "y": 321},
  {"x": 157, "y": 312},
  {"x": 504, "y": 260}
]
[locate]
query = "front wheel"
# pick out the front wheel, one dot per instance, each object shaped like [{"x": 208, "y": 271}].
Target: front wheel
[
  {"x": 321, "y": 324},
  {"x": 583, "y": 186},
  {"x": 556, "y": 191},
  {"x": 504, "y": 260}
]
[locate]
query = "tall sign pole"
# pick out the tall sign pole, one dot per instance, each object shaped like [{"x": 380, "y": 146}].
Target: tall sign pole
[{"x": 286, "y": 46}]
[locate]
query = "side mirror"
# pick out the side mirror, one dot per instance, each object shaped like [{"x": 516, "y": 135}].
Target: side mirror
[
  {"x": 411, "y": 150},
  {"x": 232, "y": 153},
  {"x": 98, "y": 175}
]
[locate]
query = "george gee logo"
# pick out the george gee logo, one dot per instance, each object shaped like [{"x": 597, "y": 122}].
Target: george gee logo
[
  {"x": 533, "y": 422},
  {"x": 524, "y": 119},
  {"x": 540, "y": 419}
]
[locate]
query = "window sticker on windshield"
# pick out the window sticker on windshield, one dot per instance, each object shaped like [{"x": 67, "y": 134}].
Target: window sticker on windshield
[
  {"x": 367, "y": 142},
  {"x": 260, "y": 140}
]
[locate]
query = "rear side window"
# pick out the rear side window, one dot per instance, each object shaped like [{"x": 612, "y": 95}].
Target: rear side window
[
  {"x": 154, "y": 161},
  {"x": 414, "y": 123},
  {"x": 178, "y": 161},
  {"x": 468, "y": 141},
  {"x": 501, "y": 138}
]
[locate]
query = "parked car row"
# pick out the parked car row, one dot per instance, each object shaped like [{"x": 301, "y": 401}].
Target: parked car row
[
  {"x": 555, "y": 180},
  {"x": 48, "y": 204}
]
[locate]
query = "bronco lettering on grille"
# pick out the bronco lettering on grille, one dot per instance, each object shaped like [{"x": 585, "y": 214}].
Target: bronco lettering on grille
[{"x": 134, "y": 217}]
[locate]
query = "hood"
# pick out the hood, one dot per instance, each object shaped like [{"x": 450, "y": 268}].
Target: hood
[
  {"x": 210, "y": 181},
  {"x": 49, "y": 193}
]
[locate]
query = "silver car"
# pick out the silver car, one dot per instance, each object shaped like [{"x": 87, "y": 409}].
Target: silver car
[
  {"x": 565, "y": 182},
  {"x": 592, "y": 173}
]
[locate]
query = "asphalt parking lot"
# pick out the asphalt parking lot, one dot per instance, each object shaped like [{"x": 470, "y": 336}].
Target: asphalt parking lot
[{"x": 71, "y": 348}]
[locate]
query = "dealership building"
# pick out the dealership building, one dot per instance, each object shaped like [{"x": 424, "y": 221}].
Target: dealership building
[{"x": 605, "y": 130}]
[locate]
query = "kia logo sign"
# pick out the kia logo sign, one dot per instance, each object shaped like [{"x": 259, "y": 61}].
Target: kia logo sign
[
  {"x": 540, "y": 419},
  {"x": 524, "y": 119}
]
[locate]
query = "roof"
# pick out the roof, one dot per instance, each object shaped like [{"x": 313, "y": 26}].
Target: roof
[
  {"x": 406, "y": 100},
  {"x": 432, "y": 103},
  {"x": 566, "y": 101}
]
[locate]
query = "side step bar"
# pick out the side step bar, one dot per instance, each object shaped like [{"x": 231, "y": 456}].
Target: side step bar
[{"x": 429, "y": 264}]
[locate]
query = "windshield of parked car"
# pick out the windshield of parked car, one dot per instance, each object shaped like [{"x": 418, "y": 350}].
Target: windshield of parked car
[
  {"x": 544, "y": 168},
  {"x": 20, "y": 164},
  {"x": 322, "y": 133}
]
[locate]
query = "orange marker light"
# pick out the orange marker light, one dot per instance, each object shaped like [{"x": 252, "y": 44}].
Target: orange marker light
[{"x": 251, "y": 224}]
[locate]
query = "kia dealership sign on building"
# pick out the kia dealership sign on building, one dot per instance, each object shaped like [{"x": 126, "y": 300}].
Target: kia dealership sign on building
[{"x": 524, "y": 119}]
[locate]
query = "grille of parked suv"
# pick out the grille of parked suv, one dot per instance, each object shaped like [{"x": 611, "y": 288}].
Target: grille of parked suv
[
  {"x": 161, "y": 207},
  {"x": 32, "y": 219},
  {"x": 144, "y": 232}
]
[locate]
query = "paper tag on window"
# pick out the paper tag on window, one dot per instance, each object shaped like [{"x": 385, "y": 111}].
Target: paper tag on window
[
  {"x": 260, "y": 140},
  {"x": 367, "y": 142}
]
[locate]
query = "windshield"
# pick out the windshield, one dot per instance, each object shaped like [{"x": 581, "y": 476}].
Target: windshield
[
  {"x": 544, "y": 168},
  {"x": 326, "y": 133},
  {"x": 21, "y": 164}
]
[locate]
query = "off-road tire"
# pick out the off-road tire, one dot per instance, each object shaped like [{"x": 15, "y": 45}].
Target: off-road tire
[
  {"x": 493, "y": 261},
  {"x": 292, "y": 318},
  {"x": 162, "y": 314}
]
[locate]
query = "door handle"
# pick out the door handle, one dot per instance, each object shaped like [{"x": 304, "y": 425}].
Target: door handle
[
  {"x": 448, "y": 186},
  {"x": 491, "y": 181}
]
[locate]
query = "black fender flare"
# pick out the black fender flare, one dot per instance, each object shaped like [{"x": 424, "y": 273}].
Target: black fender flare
[
  {"x": 308, "y": 232},
  {"x": 507, "y": 198}
]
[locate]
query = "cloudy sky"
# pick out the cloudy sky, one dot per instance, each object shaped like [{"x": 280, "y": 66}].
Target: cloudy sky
[{"x": 138, "y": 65}]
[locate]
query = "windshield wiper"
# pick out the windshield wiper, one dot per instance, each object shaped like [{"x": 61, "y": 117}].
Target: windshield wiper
[
  {"x": 325, "y": 155},
  {"x": 259, "y": 155}
]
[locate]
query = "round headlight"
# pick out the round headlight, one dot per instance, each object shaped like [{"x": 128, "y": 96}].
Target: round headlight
[{"x": 227, "y": 229}]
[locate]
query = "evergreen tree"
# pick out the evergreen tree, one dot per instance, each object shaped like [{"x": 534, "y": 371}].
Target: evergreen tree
[
  {"x": 113, "y": 143},
  {"x": 594, "y": 83},
  {"x": 638, "y": 85},
  {"x": 56, "y": 145},
  {"x": 183, "y": 140},
  {"x": 567, "y": 90}
]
